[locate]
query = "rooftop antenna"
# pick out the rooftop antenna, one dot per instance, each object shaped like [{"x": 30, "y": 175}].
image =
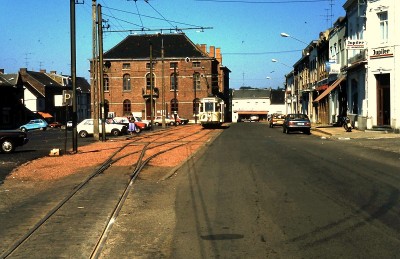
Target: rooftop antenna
[{"x": 26, "y": 59}]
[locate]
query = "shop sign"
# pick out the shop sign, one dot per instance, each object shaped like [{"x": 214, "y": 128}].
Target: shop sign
[
  {"x": 386, "y": 52},
  {"x": 356, "y": 44}
]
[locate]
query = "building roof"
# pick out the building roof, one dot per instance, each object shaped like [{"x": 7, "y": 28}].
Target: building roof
[
  {"x": 138, "y": 47},
  {"x": 251, "y": 93},
  {"x": 8, "y": 79}
]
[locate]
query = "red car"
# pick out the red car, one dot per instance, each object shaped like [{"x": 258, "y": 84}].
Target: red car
[{"x": 55, "y": 124}]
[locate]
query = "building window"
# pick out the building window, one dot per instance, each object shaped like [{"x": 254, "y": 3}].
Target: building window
[
  {"x": 126, "y": 66},
  {"x": 148, "y": 81},
  {"x": 196, "y": 64},
  {"x": 126, "y": 82},
  {"x": 173, "y": 84},
  {"x": 127, "y": 108},
  {"x": 383, "y": 26},
  {"x": 196, "y": 81},
  {"x": 148, "y": 65},
  {"x": 173, "y": 65},
  {"x": 106, "y": 83}
]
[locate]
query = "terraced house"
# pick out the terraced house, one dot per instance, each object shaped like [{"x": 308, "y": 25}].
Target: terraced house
[
  {"x": 356, "y": 72},
  {"x": 161, "y": 69}
]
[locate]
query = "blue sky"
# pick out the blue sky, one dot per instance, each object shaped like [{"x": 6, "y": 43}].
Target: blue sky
[{"x": 36, "y": 34}]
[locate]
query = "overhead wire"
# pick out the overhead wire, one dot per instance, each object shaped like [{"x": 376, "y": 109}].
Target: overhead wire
[
  {"x": 147, "y": 1},
  {"x": 152, "y": 17},
  {"x": 263, "y": 2},
  {"x": 140, "y": 17}
]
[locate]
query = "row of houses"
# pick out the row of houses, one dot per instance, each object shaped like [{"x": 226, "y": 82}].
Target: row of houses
[
  {"x": 350, "y": 70},
  {"x": 27, "y": 95},
  {"x": 167, "y": 68}
]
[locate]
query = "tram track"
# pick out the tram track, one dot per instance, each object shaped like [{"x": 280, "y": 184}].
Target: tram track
[{"x": 141, "y": 150}]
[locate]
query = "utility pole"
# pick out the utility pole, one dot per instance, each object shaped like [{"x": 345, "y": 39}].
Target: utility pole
[
  {"x": 101, "y": 70},
  {"x": 175, "y": 101},
  {"x": 151, "y": 87},
  {"x": 73, "y": 76},
  {"x": 163, "y": 84},
  {"x": 95, "y": 86}
]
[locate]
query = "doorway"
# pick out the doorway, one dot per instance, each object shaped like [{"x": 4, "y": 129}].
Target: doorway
[
  {"x": 383, "y": 99},
  {"x": 149, "y": 110}
]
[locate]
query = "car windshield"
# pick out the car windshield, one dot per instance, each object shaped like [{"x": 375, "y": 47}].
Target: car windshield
[{"x": 298, "y": 117}]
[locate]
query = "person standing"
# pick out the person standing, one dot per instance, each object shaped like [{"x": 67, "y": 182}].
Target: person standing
[{"x": 132, "y": 126}]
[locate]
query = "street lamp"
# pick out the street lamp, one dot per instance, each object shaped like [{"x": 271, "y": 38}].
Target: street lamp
[
  {"x": 275, "y": 60},
  {"x": 285, "y": 35}
]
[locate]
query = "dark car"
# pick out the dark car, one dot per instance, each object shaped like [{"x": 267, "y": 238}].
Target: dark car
[
  {"x": 55, "y": 124},
  {"x": 297, "y": 122},
  {"x": 10, "y": 139}
]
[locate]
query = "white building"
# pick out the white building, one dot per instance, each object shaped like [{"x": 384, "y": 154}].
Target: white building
[
  {"x": 246, "y": 102},
  {"x": 383, "y": 90}
]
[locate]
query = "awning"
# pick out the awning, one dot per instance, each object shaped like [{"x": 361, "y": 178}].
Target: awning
[
  {"x": 45, "y": 115},
  {"x": 330, "y": 88},
  {"x": 252, "y": 112}
]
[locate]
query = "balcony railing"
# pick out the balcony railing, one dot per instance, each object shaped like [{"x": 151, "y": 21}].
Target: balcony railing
[
  {"x": 146, "y": 92},
  {"x": 358, "y": 57}
]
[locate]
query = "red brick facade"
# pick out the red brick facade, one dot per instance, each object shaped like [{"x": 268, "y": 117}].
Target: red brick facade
[
  {"x": 127, "y": 80},
  {"x": 138, "y": 94}
]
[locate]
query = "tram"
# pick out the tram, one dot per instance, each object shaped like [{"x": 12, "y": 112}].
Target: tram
[{"x": 211, "y": 112}]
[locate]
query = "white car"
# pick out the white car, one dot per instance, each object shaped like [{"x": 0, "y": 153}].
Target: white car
[
  {"x": 86, "y": 127},
  {"x": 168, "y": 121}
]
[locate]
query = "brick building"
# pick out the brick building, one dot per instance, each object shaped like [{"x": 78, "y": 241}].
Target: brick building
[{"x": 183, "y": 73}]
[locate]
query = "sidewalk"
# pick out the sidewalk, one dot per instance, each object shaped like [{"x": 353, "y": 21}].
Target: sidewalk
[{"x": 340, "y": 133}]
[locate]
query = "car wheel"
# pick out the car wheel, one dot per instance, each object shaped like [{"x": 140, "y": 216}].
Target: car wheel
[
  {"x": 83, "y": 134},
  {"x": 23, "y": 129},
  {"x": 138, "y": 130},
  {"x": 156, "y": 123},
  {"x": 172, "y": 123},
  {"x": 115, "y": 132},
  {"x": 307, "y": 132},
  {"x": 7, "y": 146}
]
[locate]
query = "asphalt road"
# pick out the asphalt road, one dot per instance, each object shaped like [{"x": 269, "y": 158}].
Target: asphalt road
[
  {"x": 39, "y": 145},
  {"x": 259, "y": 193}
]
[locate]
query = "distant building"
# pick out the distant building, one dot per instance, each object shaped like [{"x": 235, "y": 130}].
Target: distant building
[
  {"x": 261, "y": 102},
  {"x": 29, "y": 94}
]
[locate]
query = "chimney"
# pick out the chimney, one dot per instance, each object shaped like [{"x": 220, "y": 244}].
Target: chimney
[
  {"x": 53, "y": 72},
  {"x": 43, "y": 71},
  {"x": 203, "y": 47},
  {"x": 212, "y": 51},
  {"x": 218, "y": 55},
  {"x": 23, "y": 70}
]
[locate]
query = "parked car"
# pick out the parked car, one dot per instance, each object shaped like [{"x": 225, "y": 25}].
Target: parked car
[
  {"x": 297, "y": 122},
  {"x": 168, "y": 121},
  {"x": 55, "y": 124},
  {"x": 139, "y": 119},
  {"x": 182, "y": 120},
  {"x": 276, "y": 119},
  {"x": 254, "y": 117},
  {"x": 10, "y": 139},
  {"x": 34, "y": 124},
  {"x": 86, "y": 127}
]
